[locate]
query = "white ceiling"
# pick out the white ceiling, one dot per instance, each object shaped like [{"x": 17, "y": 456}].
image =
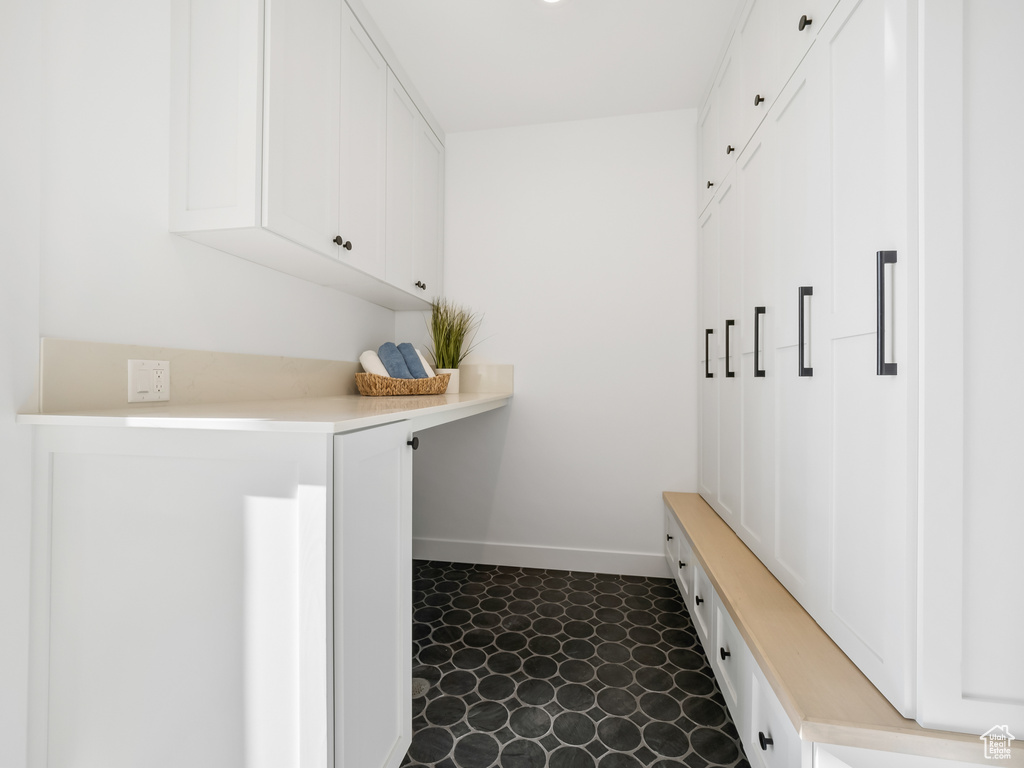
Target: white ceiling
[{"x": 497, "y": 63}]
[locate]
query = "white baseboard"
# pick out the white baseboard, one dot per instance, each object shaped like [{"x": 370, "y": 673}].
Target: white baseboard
[{"x": 593, "y": 561}]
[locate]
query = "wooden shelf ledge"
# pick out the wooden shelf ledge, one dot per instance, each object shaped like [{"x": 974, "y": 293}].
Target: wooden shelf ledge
[{"x": 827, "y": 698}]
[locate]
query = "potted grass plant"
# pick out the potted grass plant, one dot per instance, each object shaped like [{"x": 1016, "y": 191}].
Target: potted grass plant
[{"x": 452, "y": 329}]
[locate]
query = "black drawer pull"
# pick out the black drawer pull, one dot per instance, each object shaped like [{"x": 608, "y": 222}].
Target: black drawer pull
[
  {"x": 759, "y": 372},
  {"x": 668, "y": 537},
  {"x": 415, "y": 443},
  {"x": 707, "y": 355},
  {"x": 729, "y": 374},
  {"x": 681, "y": 564},
  {"x": 699, "y": 599},
  {"x": 724, "y": 653},
  {"x": 804, "y": 23},
  {"x": 711, "y": 184},
  {"x": 805, "y": 291},
  {"x": 729, "y": 149},
  {"x": 758, "y": 99},
  {"x": 883, "y": 258},
  {"x": 765, "y": 741}
]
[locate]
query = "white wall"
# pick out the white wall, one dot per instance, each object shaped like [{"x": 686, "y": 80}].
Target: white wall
[
  {"x": 20, "y": 63},
  {"x": 578, "y": 243},
  {"x": 110, "y": 270}
]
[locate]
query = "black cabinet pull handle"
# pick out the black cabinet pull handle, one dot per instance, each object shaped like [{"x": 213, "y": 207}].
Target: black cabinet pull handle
[
  {"x": 730, "y": 149},
  {"x": 724, "y": 653},
  {"x": 415, "y": 443},
  {"x": 805, "y": 291},
  {"x": 681, "y": 564},
  {"x": 707, "y": 355},
  {"x": 804, "y": 23},
  {"x": 711, "y": 184},
  {"x": 759, "y": 372},
  {"x": 699, "y": 599},
  {"x": 421, "y": 285},
  {"x": 765, "y": 741},
  {"x": 758, "y": 99},
  {"x": 728, "y": 373},
  {"x": 669, "y": 537},
  {"x": 883, "y": 368},
  {"x": 346, "y": 244}
]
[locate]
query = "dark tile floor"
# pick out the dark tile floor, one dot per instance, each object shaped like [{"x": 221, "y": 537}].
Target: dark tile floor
[{"x": 534, "y": 668}]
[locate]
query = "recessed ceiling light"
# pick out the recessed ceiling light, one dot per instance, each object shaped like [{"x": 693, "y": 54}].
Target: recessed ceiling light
[{"x": 551, "y": 1}]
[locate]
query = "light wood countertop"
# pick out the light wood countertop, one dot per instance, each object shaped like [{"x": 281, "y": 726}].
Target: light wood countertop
[{"x": 827, "y": 698}]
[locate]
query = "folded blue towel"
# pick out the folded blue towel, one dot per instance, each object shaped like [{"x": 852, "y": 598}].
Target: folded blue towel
[
  {"x": 394, "y": 361},
  {"x": 412, "y": 359}
]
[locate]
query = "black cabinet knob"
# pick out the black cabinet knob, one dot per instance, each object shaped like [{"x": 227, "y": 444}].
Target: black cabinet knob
[
  {"x": 346, "y": 244},
  {"x": 758, "y": 99},
  {"x": 415, "y": 443},
  {"x": 764, "y": 741},
  {"x": 730, "y": 149},
  {"x": 681, "y": 564},
  {"x": 698, "y": 599},
  {"x": 724, "y": 653},
  {"x": 711, "y": 184},
  {"x": 804, "y": 23},
  {"x": 668, "y": 537},
  {"x": 421, "y": 285}
]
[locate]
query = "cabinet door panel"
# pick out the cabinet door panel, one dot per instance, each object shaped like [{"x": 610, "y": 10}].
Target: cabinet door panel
[
  {"x": 364, "y": 88},
  {"x": 707, "y": 133},
  {"x": 729, "y": 93},
  {"x": 429, "y": 223},
  {"x": 373, "y": 597},
  {"x": 730, "y": 323},
  {"x": 708, "y": 480},
  {"x": 757, "y": 34},
  {"x": 300, "y": 175},
  {"x": 756, "y": 187},
  {"x": 864, "y": 50}
]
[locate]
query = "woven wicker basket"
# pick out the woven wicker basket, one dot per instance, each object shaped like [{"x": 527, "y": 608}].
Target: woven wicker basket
[{"x": 383, "y": 386}]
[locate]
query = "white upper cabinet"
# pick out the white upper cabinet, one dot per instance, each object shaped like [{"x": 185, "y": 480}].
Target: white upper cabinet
[
  {"x": 798, "y": 21},
  {"x": 414, "y": 197},
  {"x": 708, "y": 154},
  {"x": 760, "y": 81},
  {"x": 728, "y": 89},
  {"x": 364, "y": 89},
  {"x": 279, "y": 138},
  {"x": 300, "y": 124}
]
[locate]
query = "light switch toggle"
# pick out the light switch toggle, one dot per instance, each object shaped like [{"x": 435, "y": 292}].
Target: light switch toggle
[{"x": 149, "y": 381}]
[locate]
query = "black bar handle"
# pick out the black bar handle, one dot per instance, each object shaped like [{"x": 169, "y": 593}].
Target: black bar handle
[
  {"x": 805, "y": 291},
  {"x": 707, "y": 355},
  {"x": 728, "y": 374},
  {"x": 759, "y": 372},
  {"x": 883, "y": 258}
]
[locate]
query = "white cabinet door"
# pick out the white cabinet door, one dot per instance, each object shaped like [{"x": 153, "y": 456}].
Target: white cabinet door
[
  {"x": 415, "y": 173},
  {"x": 708, "y": 154},
  {"x": 363, "y": 148},
  {"x": 864, "y": 49},
  {"x": 798, "y": 553},
  {"x": 182, "y": 609},
  {"x": 730, "y": 323},
  {"x": 300, "y": 127},
  {"x": 373, "y": 597},
  {"x": 798, "y": 23},
  {"x": 760, "y": 81},
  {"x": 758, "y": 371},
  {"x": 728, "y": 90},
  {"x": 429, "y": 220},
  {"x": 708, "y": 471}
]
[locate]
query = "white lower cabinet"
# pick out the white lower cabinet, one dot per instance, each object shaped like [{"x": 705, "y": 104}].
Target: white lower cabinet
[
  {"x": 372, "y": 597},
  {"x": 700, "y": 608},
  {"x": 731, "y": 661},
  {"x": 770, "y": 740},
  {"x": 679, "y": 556},
  {"x": 195, "y": 592}
]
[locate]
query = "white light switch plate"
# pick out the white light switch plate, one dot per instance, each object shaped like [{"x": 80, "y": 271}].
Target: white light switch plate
[{"x": 149, "y": 381}]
